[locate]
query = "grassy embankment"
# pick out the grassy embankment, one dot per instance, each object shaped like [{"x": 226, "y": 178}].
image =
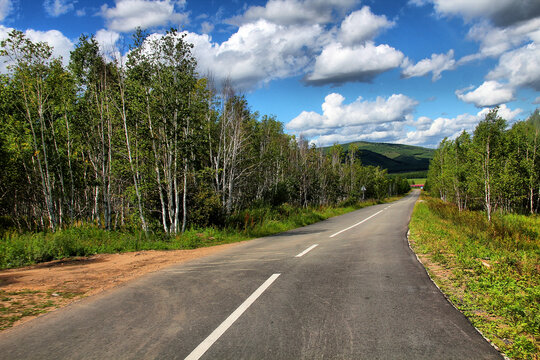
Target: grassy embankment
[
  {"x": 30, "y": 248},
  {"x": 491, "y": 272}
]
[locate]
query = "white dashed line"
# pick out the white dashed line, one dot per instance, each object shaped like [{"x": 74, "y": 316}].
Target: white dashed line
[
  {"x": 307, "y": 250},
  {"x": 350, "y": 227},
  {"x": 220, "y": 330}
]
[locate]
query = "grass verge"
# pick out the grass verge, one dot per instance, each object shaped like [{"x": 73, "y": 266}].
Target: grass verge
[
  {"x": 18, "y": 250},
  {"x": 490, "y": 271}
]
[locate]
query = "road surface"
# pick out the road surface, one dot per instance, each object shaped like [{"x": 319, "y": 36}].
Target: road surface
[{"x": 345, "y": 288}]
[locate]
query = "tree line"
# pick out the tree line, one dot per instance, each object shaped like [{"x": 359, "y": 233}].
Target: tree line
[
  {"x": 495, "y": 169},
  {"x": 144, "y": 142}
]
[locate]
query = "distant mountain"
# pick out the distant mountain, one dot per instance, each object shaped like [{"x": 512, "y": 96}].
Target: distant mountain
[{"x": 396, "y": 158}]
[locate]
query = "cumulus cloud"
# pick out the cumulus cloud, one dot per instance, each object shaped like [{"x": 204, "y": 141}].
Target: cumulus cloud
[
  {"x": 504, "y": 111},
  {"x": 536, "y": 101},
  {"x": 127, "y": 15},
  {"x": 435, "y": 65},
  {"x": 294, "y": 12},
  {"x": 490, "y": 93},
  {"x": 500, "y": 12},
  {"x": 494, "y": 41},
  {"x": 107, "y": 41},
  {"x": 62, "y": 46},
  {"x": 6, "y": 7},
  {"x": 520, "y": 67},
  {"x": 349, "y": 53},
  {"x": 430, "y": 132},
  {"x": 362, "y": 25},
  {"x": 384, "y": 119},
  {"x": 339, "y": 64},
  {"x": 269, "y": 48},
  {"x": 56, "y": 8},
  {"x": 257, "y": 53},
  {"x": 361, "y": 119}
]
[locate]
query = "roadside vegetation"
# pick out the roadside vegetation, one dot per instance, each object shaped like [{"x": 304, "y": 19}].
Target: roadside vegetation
[
  {"x": 489, "y": 270},
  {"x": 21, "y": 249},
  {"x": 479, "y": 232},
  {"x": 497, "y": 169}
]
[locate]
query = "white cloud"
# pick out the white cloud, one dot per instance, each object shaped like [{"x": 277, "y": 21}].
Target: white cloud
[
  {"x": 436, "y": 65},
  {"x": 206, "y": 27},
  {"x": 418, "y": 2},
  {"x": 362, "y": 25},
  {"x": 130, "y": 14},
  {"x": 6, "y": 7},
  {"x": 349, "y": 54},
  {"x": 430, "y": 132},
  {"x": 490, "y": 93},
  {"x": 500, "y": 12},
  {"x": 385, "y": 119},
  {"x": 294, "y": 12},
  {"x": 536, "y": 101},
  {"x": 494, "y": 41},
  {"x": 107, "y": 41},
  {"x": 56, "y": 8},
  {"x": 339, "y": 64},
  {"x": 362, "y": 119},
  {"x": 62, "y": 46},
  {"x": 520, "y": 67},
  {"x": 257, "y": 53},
  {"x": 504, "y": 112}
]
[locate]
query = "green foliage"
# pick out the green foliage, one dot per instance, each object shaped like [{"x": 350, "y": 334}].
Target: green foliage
[
  {"x": 497, "y": 169},
  {"x": 494, "y": 277}
]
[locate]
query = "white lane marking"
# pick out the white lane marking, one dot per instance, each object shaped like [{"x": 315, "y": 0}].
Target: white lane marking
[
  {"x": 216, "y": 334},
  {"x": 350, "y": 227},
  {"x": 307, "y": 250}
]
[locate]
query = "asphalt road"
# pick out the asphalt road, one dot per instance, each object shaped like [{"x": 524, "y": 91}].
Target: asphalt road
[{"x": 357, "y": 294}]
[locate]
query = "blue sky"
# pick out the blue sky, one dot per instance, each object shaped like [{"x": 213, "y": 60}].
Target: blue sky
[{"x": 333, "y": 71}]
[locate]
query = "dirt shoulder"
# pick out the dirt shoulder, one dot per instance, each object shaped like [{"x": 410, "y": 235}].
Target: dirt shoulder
[{"x": 28, "y": 292}]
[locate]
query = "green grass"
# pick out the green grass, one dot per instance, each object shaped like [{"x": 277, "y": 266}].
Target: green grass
[
  {"x": 18, "y": 250},
  {"x": 417, "y": 181},
  {"x": 491, "y": 270}
]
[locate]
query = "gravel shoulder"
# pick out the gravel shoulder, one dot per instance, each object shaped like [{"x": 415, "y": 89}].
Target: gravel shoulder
[{"x": 28, "y": 292}]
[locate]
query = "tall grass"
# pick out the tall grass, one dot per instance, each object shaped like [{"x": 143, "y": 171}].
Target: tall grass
[
  {"x": 494, "y": 270},
  {"x": 30, "y": 248}
]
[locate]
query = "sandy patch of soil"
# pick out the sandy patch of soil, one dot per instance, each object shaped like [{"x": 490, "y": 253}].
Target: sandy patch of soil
[{"x": 30, "y": 291}]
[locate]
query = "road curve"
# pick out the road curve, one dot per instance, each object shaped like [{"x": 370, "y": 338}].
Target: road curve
[{"x": 345, "y": 288}]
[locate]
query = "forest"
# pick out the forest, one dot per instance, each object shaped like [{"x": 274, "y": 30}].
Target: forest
[
  {"x": 144, "y": 142},
  {"x": 496, "y": 169}
]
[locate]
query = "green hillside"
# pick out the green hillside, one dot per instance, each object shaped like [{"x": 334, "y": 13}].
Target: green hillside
[{"x": 396, "y": 158}]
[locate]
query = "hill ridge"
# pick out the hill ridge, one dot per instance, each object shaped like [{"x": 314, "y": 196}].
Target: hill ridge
[{"x": 396, "y": 158}]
